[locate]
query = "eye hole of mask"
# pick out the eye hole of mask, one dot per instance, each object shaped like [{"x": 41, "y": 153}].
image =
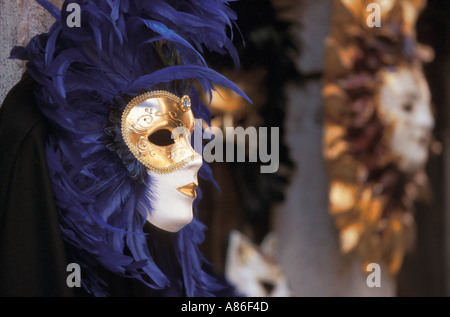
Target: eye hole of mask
[
  {"x": 267, "y": 285},
  {"x": 161, "y": 137},
  {"x": 408, "y": 107}
]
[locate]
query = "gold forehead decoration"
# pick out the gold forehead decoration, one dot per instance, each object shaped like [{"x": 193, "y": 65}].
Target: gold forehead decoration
[{"x": 151, "y": 113}]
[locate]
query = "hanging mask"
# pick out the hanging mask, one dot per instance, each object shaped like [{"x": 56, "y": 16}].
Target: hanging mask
[{"x": 157, "y": 127}]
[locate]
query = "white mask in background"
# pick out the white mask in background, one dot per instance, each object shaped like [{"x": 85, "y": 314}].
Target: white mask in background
[
  {"x": 148, "y": 128},
  {"x": 405, "y": 107},
  {"x": 253, "y": 269}
]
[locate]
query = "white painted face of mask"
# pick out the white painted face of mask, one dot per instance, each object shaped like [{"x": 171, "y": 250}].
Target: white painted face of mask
[
  {"x": 405, "y": 107},
  {"x": 157, "y": 127},
  {"x": 171, "y": 197}
]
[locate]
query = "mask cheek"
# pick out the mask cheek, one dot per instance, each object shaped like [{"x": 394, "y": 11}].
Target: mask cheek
[
  {"x": 411, "y": 146},
  {"x": 170, "y": 219},
  {"x": 163, "y": 205}
]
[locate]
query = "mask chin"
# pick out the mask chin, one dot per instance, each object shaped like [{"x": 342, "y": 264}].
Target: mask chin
[
  {"x": 168, "y": 198},
  {"x": 170, "y": 221}
]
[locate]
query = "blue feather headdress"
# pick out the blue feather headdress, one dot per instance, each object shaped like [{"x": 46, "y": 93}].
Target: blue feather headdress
[{"x": 84, "y": 76}]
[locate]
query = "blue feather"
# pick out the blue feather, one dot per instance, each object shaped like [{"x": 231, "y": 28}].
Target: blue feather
[
  {"x": 169, "y": 35},
  {"x": 173, "y": 73},
  {"x": 50, "y": 46}
]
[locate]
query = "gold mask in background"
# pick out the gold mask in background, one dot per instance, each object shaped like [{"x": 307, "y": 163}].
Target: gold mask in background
[{"x": 378, "y": 127}]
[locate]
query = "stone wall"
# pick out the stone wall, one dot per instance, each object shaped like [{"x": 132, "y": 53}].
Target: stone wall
[{"x": 20, "y": 20}]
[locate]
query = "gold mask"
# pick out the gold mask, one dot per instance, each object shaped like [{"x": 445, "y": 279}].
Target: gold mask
[{"x": 148, "y": 123}]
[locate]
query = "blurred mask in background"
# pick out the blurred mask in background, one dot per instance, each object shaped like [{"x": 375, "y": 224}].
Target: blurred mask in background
[
  {"x": 405, "y": 107},
  {"x": 378, "y": 127}
]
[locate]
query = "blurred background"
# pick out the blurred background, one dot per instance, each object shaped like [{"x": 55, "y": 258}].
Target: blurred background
[{"x": 273, "y": 234}]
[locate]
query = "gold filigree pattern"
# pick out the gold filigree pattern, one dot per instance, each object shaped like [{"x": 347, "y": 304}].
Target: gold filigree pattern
[{"x": 149, "y": 113}]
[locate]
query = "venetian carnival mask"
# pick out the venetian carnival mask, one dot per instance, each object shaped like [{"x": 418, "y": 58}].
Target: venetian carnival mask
[
  {"x": 405, "y": 108},
  {"x": 157, "y": 127}
]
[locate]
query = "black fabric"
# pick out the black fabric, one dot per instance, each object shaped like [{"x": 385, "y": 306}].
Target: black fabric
[{"x": 33, "y": 255}]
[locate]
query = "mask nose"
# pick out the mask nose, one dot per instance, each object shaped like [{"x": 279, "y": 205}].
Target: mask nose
[
  {"x": 182, "y": 148},
  {"x": 195, "y": 164}
]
